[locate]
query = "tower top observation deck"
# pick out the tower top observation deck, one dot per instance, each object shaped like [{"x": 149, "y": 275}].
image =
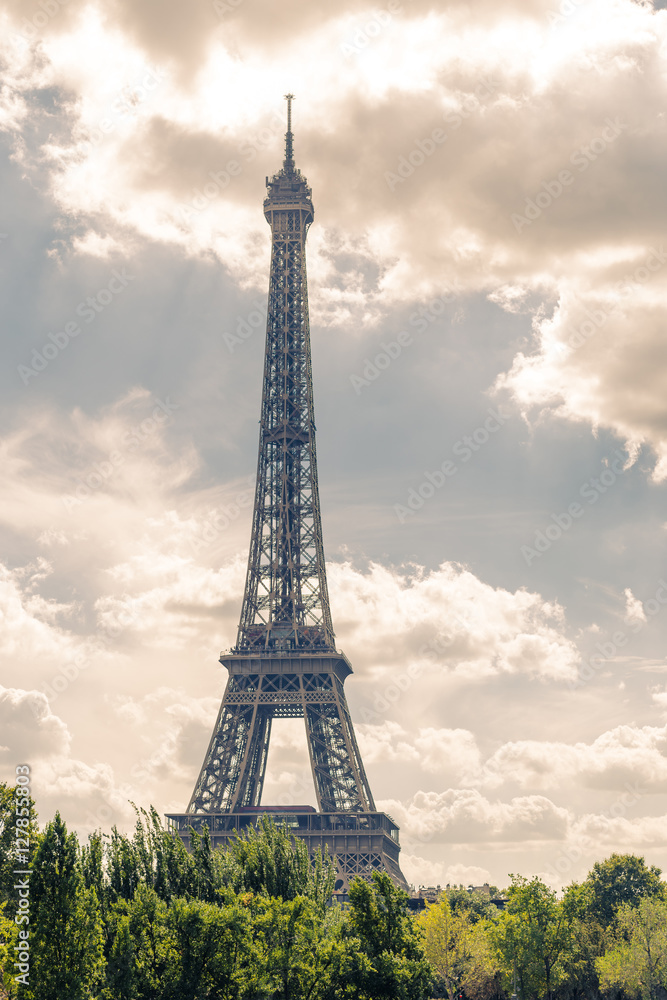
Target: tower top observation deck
[{"x": 288, "y": 189}]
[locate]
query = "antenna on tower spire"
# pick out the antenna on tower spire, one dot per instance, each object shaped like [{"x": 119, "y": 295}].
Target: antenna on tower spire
[{"x": 289, "y": 151}]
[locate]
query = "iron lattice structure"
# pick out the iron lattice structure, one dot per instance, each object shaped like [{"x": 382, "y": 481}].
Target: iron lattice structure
[
  {"x": 286, "y": 601},
  {"x": 285, "y": 663}
]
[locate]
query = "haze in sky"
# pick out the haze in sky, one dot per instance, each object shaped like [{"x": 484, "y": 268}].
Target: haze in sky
[{"x": 488, "y": 297}]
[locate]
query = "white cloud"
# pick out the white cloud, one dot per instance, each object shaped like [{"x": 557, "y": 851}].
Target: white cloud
[
  {"x": 465, "y": 816},
  {"x": 500, "y": 91},
  {"x": 388, "y": 742},
  {"x": 634, "y": 609},
  {"x": 448, "y": 618},
  {"x": 32, "y": 625},
  {"x": 115, "y": 119},
  {"x": 621, "y": 756},
  {"x": 29, "y": 727},
  {"x": 596, "y": 347},
  {"x": 659, "y": 697},
  {"x": 617, "y": 760},
  {"x": 618, "y": 833},
  {"x": 84, "y": 793},
  {"x": 446, "y": 752},
  {"x": 422, "y": 872}
]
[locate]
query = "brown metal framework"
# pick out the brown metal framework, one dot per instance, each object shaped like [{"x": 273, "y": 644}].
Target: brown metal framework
[
  {"x": 286, "y": 601},
  {"x": 285, "y": 663},
  {"x": 264, "y": 687}
]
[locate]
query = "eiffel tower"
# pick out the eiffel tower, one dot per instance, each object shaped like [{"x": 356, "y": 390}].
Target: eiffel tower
[{"x": 285, "y": 663}]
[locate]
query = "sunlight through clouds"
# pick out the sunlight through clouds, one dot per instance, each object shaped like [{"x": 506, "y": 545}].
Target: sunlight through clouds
[{"x": 504, "y": 158}]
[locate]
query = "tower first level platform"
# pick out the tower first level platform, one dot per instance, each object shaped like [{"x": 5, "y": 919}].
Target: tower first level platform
[{"x": 361, "y": 843}]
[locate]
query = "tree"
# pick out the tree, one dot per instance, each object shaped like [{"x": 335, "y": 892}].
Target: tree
[
  {"x": 390, "y": 939},
  {"x": 9, "y": 932},
  {"x": 212, "y": 945},
  {"x": 120, "y": 976},
  {"x": 302, "y": 954},
  {"x": 483, "y": 977},
  {"x": 67, "y": 958},
  {"x": 93, "y": 870},
  {"x": 271, "y": 861},
  {"x": 447, "y": 937},
  {"x": 17, "y": 847},
  {"x": 476, "y": 904},
  {"x": 458, "y": 948},
  {"x": 155, "y": 954},
  {"x": 160, "y": 857},
  {"x": 637, "y": 962},
  {"x": 205, "y": 885},
  {"x": 122, "y": 867},
  {"x": 531, "y": 936},
  {"x": 153, "y": 856},
  {"x": 621, "y": 878},
  {"x": 588, "y": 940}
]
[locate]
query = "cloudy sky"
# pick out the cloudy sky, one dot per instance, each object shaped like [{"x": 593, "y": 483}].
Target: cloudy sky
[{"x": 488, "y": 288}]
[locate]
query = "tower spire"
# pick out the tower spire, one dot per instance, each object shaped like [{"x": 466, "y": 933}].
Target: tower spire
[
  {"x": 289, "y": 138},
  {"x": 286, "y": 600}
]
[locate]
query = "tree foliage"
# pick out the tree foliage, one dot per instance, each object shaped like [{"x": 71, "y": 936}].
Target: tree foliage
[
  {"x": 10, "y": 859},
  {"x": 137, "y": 917},
  {"x": 637, "y": 960},
  {"x": 621, "y": 879},
  {"x": 531, "y": 937},
  {"x": 66, "y": 926},
  {"x": 269, "y": 860},
  {"x": 389, "y": 939},
  {"x": 476, "y": 904},
  {"x": 457, "y": 945}
]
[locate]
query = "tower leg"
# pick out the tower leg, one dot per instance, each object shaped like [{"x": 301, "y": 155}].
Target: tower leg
[
  {"x": 234, "y": 768},
  {"x": 338, "y": 773}
]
